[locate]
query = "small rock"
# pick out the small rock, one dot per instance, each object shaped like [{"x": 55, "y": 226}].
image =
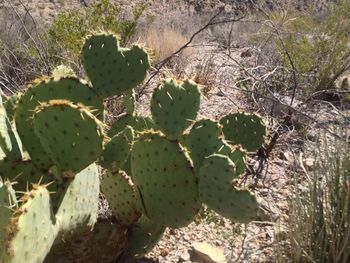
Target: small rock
[
  {"x": 309, "y": 163},
  {"x": 205, "y": 253},
  {"x": 184, "y": 257},
  {"x": 164, "y": 252}
]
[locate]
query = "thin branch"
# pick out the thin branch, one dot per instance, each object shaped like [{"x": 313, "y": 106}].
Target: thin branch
[{"x": 160, "y": 65}]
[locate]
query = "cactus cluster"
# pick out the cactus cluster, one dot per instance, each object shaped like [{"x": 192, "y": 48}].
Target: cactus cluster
[{"x": 156, "y": 171}]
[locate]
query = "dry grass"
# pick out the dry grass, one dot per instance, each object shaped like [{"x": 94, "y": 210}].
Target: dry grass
[{"x": 164, "y": 42}]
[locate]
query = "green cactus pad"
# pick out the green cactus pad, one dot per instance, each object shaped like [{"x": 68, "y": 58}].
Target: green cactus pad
[
  {"x": 76, "y": 200},
  {"x": 23, "y": 174},
  {"x": 163, "y": 173},
  {"x": 112, "y": 69},
  {"x": 138, "y": 123},
  {"x": 237, "y": 154},
  {"x": 202, "y": 141},
  {"x": 10, "y": 105},
  {"x": 68, "y": 88},
  {"x": 122, "y": 197},
  {"x": 144, "y": 236},
  {"x": 32, "y": 231},
  {"x": 10, "y": 144},
  {"x": 7, "y": 204},
  {"x": 215, "y": 189},
  {"x": 129, "y": 100},
  {"x": 70, "y": 134},
  {"x": 117, "y": 150},
  {"x": 174, "y": 106},
  {"x": 248, "y": 130}
]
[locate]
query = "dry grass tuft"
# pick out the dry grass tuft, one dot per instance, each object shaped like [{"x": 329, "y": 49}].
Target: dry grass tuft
[{"x": 164, "y": 42}]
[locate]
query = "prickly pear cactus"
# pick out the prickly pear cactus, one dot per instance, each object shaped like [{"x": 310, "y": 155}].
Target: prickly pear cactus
[
  {"x": 112, "y": 69},
  {"x": 52, "y": 89},
  {"x": 32, "y": 223},
  {"x": 215, "y": 189},
  {"x": 174, "y": 106},
  {"x": 129, "y": 100},
  {"x": 10, "y": 144},
  {"x": 23, "y": 174},
  {"x": 122, "y": 196},
  {"x": 156, "y": 172},
  {"x": 117, "y": 150},
  {"x": 144, "y": 236},
  {"x": 165, "y": 176},
  {"x": 202, "y": 140},
  {"x": 8, "y": 202},
  {"x": 138, "y": 123},
  {"x": 248, "y": 130},
  {"x": 70, "y": 134}
]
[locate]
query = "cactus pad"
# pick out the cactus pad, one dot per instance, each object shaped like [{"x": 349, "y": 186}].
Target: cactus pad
[
  {"x": 122, "y": 197},
  {"x": 236, "y": 154},
  {"x": 138, "y": 123},
  {"x": 174, "y": 106},
  {"x": 76, "y": 200},
  {"x": 68, "y": 88},
  {"x": 144, "y": 236},
  {"x": 69, "y": 133},
  {"x": 6, "y": 204},
  {"x": 10, "y": 144},
  {"x": 33, "y": 224},
  {"x": 23, "y": 174},
  {"x": 117, "y": 150},
  {"x": 215, "y": 189},
  {"x": 165, "y": 177},
  {"x": 202, "y": 141},
  {"x": 129, "y": 100},
  {"x": 112, "y": 69},
  {"x": 248, "y": 130}
]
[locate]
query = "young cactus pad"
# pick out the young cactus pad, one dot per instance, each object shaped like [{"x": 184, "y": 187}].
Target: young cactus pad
[
  {"x": 112, "y": 69},
  {"x": 138, "y": 123},
  {"x": 248, "y": 130},
  {"x": 202, "y": 141},
  {"x": 117, "y": 150},
  {"x": 69, "y": 133},
  {"x": 164, "y": 174},
  {"x": 122, "y": 196},
  {"x": 216, "y": 191},
  {"x": 174, "y": 106},
  {"x": 70, "y": 89},
  {"x": 129, "y": 100}
]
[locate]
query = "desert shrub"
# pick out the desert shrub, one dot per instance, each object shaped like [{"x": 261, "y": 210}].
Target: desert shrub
[
  {"x": 319, "y": 218},
  {"x": 312, "y": 45},
  {"x": 70, "y": 28},
  {"x": 25, "y": 53}
]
